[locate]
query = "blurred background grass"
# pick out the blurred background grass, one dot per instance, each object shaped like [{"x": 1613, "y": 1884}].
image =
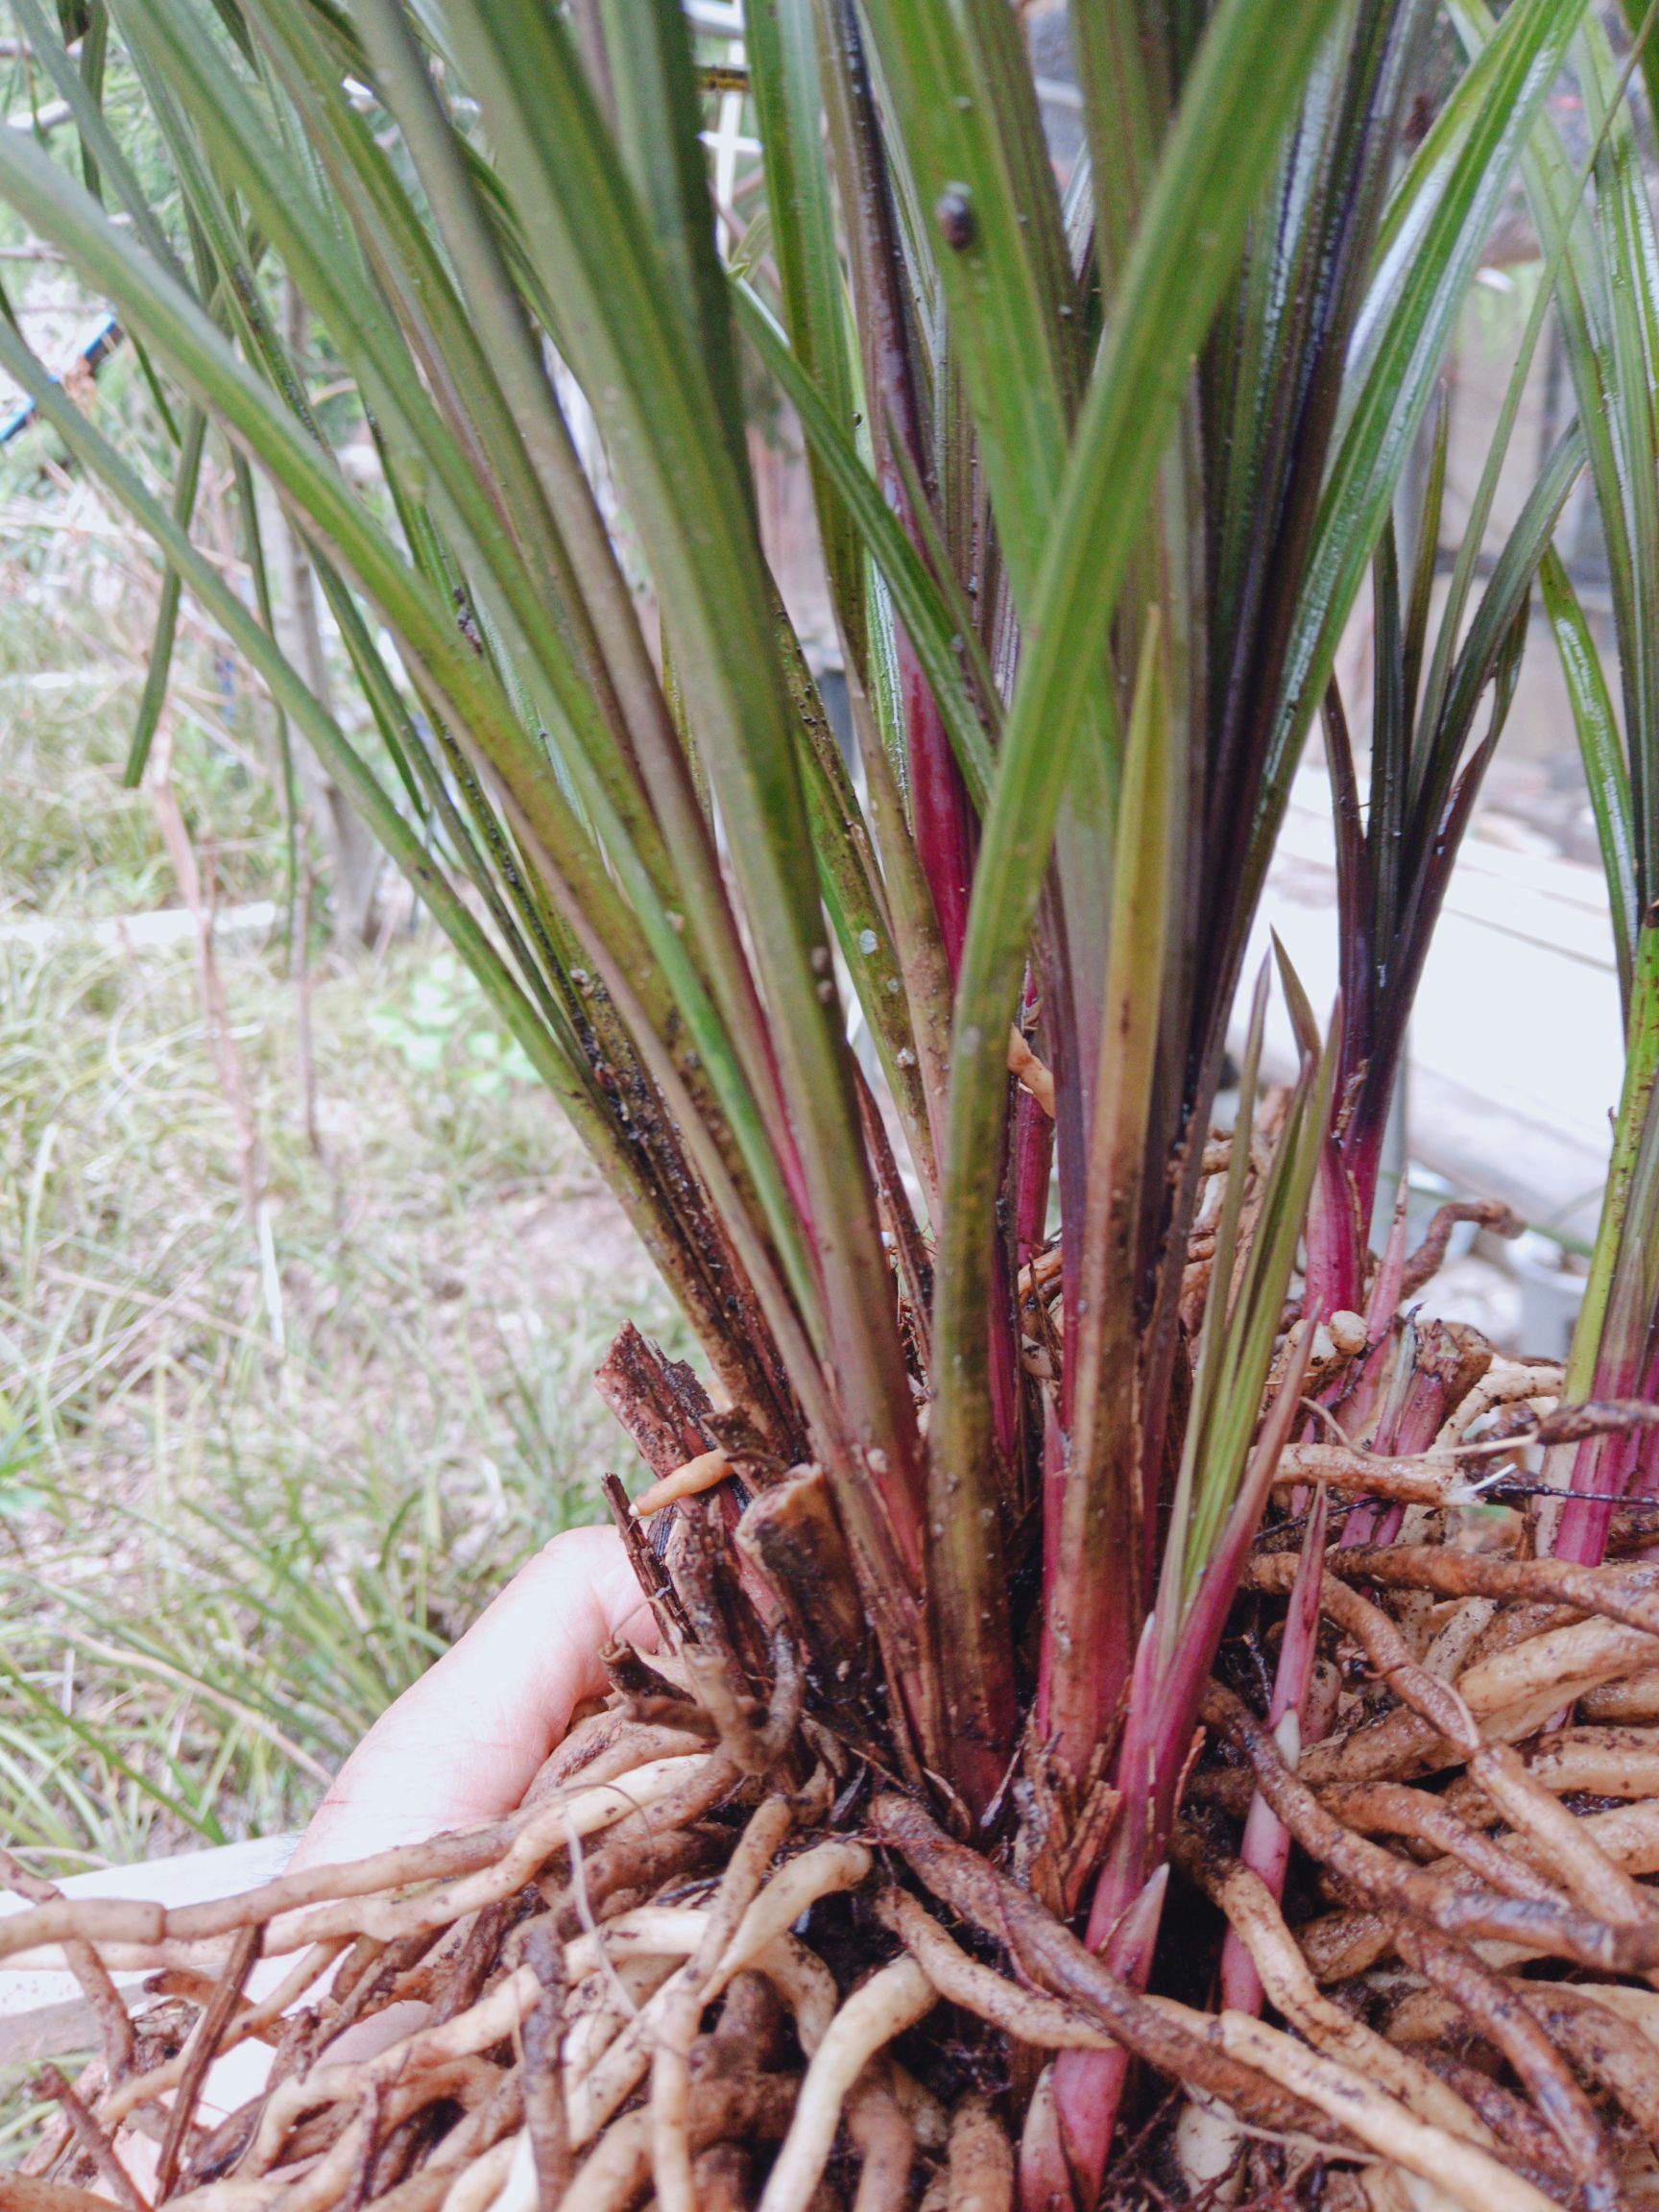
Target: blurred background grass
[{"x": 256, "y": 1469}]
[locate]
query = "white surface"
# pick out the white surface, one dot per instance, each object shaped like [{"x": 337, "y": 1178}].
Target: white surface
[
  {"x": 43, "y": 2015},
  {"x": 164, "y": 926}
]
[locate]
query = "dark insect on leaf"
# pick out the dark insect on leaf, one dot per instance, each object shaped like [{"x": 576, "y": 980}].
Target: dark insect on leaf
[{"x": 953, "y": 212}]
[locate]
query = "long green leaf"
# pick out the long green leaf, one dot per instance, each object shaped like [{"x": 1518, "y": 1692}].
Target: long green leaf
[
  {"x": 788, "y": 101},
  {"x": 458, "y": 690},
  {"x": 915, "y": 595},
  {"x": 159, "y": 665},
  {"x": 555, "y": 1053},
  {"x": 95, "y": 132},
  {"x": 1602, "y": 752},
  {"x": 968, "y": 122},
  {"x": 1437, "y": 226},
  {"x": 1097, "y": 1540}
]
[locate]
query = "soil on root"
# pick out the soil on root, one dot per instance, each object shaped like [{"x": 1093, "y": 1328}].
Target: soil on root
[{"x": 723, "y": 1957}]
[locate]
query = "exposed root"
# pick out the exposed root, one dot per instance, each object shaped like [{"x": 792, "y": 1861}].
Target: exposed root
[
  {"x": 1600, "y": 1762},
  {"x": 1047, "y": 1952},
  {"x": 670, "y": 2065},
  {"x": 1627, "y": 1594},
  {"x": 1395, "y": 1809},
  {"x": 1426, "y": 1261},
  {"x": 468, "y": 1869},
  {"x": 1025, "y": 2015},
  {"x": 1586, "y": 1872},
  {"x": 1556, "y": 1930},
  {"x": 260, "y": 2020},
  {"x": 1471, "y": 2175},
  {"x": 721, "y": 2177},
  {"x": 1255, "y": 1916},
  {"x": 1567, "y": 1845},
  {"x": 94, "y": 2140},
  {"x": 1468, "y": 2175},
  {"x": 1606, "y": 2048},
  {"x": 981, "y": 2168},
  {"x": 546, "y": 2115},
  {"x": 618, "y": 2170},
  {"x": 673, "y": 1973},
  {"x": 1505, "y": 1857},
  {"x": 114, "y": 2027},
  {"x": 1491, "y": 2003},
  {"x": 884, "y": 2140},
  {"x": 24, "y": 2193},
  {"x": 891, "y": 2000}
]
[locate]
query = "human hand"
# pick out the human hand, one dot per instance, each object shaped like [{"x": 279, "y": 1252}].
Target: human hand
[{"x": 464, "y": 1743}]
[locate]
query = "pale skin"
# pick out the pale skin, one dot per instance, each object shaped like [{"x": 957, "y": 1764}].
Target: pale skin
[{"x": 462, "y": 1744}]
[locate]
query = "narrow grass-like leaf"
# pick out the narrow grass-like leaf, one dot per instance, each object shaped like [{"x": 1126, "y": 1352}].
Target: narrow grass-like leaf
[
  {"x": 915, "y": 595},
  {"x": 158, "y": 666},
  {"x": 654, "y": 97},
  {"x": 99, "y": 142},
  {"x": 457, "y": 689},
  {"x": 995, "y": 232},
  {"x": 1602, "y": 752},
  {"x": 788, "y": 101},
  {"x": 1612, "y": 1338},
  {"x": 564, "y": 1071},
  {"x": 1438, "y": 223}
]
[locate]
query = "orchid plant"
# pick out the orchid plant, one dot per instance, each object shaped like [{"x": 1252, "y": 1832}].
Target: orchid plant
[{"x": 903, "y": 1058}]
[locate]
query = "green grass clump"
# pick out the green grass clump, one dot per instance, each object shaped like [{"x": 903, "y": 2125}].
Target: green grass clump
[{"x": 73, "y": 841}]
